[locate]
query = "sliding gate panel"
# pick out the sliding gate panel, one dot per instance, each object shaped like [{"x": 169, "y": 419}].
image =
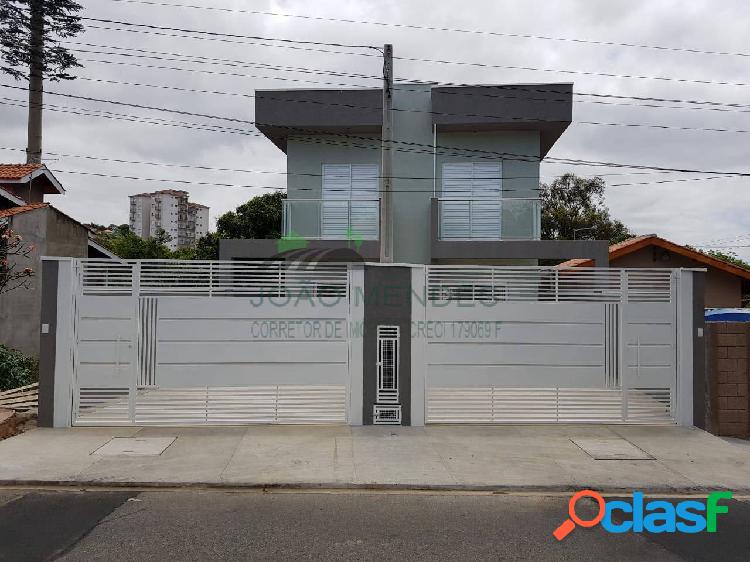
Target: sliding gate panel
[
  {"x": 537, "y": 345},
  {"x": 171, "y": 356}
]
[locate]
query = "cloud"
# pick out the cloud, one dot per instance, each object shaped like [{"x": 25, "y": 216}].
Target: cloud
[{"x": 689, "y": 212}]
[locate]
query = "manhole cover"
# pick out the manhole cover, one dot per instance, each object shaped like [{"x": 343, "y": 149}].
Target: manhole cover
[
  {"x": 612, "y": 448},
  {"x": 135, "y": 446}
]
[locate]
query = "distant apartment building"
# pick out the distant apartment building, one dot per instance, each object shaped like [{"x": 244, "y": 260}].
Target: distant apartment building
[{"x": 168, "y": 210}]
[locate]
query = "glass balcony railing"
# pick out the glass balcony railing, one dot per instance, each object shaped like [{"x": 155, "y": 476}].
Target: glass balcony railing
[
  {"x": 489, "y": 219},
  {"x": 331, "y": 219}
]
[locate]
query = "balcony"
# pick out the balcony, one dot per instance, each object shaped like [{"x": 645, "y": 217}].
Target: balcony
[
  {"x": 489, "y": 219},
  {"x": 331, "y": 219}
]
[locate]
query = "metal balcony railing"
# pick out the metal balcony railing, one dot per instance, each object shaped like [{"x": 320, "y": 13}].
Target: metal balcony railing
[
  {"x": 490, "y": 218},
  {"x": 331, "y": 219}
]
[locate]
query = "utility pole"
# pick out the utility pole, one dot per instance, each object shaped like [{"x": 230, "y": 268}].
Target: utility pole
[
  {"x": 36, "y": 82},
  {"x": 386, "y": 199}
]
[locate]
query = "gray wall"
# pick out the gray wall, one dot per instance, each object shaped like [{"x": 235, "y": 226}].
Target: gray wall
[
  {"x": 48, "y": 344},
  {"x": 387, "y": 301},
  {"x": 53, "y": 234}
]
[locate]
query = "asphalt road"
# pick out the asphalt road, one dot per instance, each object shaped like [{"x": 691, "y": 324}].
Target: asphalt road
[{"x": 216, "y": 525}]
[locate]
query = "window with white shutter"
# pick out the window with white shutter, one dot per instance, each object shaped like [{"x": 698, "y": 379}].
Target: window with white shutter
[
  {"x": 350, "y": 200},
  {"x": 471, "y": 206}
]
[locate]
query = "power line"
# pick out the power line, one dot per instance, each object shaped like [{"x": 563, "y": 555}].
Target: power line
[
  {"x": 459, "y": 150},
  {"x": 213, "y": 72},
  {"x": 211, "y": 35},
  {"x": 213, "y": 60},
  {"x": 402, "y": 110},
  {"x": 134, "y": 118},
  {"x": 231, "y": 35},
  {"x": 275, "y": 172},
  {"x": 701, "y": 104},
  {"x": 161, "y": 180},
  {"x": 446, "y": 29},
  {"x": 215, "y": 184}
]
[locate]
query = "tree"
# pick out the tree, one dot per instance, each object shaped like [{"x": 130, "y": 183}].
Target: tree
[
  {"x": 125, "y": 244},
  {"x": 30, "y": 49},
  {"x": 13, "y": 251},
  {"x": 730, "y": 257},
  {"x": 573, "y": 209},
  {"x": 258, "y": 218}
]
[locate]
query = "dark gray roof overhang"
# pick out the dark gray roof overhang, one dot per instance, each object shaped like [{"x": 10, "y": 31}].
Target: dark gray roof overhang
[
  {"x": 547, "y": 108},
  {"x": 281, "y": 113}
]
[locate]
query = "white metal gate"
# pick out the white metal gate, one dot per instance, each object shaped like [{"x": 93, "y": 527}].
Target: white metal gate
[
  {"x": 164, "y": 342},
  {"x": 513, "y": 345},
  {"x": 387, "y": 409}
]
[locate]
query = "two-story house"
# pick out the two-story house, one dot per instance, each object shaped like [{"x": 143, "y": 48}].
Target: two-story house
[{"x": 465, "y": 172}]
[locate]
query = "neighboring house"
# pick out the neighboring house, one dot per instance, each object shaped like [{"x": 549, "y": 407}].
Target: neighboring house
[
  {"x": 168, "y": 210},
  {"x": 465, "y": 172},
  {"x": 52, "y": 233},
  {"x": 28, "y": 182},
  {"x": 727, "y": 285}
]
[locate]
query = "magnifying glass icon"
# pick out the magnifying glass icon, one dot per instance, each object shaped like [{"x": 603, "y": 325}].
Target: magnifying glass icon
[{"x": 569, "y": 524}]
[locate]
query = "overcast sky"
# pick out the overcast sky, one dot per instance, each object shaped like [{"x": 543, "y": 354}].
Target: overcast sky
[{"x": 711, "y": 211}]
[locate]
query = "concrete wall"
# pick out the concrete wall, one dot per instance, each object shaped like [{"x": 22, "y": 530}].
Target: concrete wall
[
  {"x": 53, "y": 234},
  {"x": 728, "y": 398},
  {"x": 723, "y": 290}
]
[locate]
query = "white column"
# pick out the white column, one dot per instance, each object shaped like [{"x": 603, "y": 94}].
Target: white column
[
  {"x": 418, "y": 345},
  {"x": 685, "y": 333},
  {"x": 356, "y": 352},
  {"x": 65, "y": 340}
]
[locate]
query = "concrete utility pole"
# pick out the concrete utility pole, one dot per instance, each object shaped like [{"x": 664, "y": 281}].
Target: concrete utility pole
[
  {"x": 36, "y": 83},
  {"x": 386, "y": 198}
]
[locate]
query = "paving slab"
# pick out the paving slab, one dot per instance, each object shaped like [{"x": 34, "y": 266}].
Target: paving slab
[
  {"x": 198, "y": 455},
  {"x": 611, "y": 449},
  {"x": 134, "y": 446}
]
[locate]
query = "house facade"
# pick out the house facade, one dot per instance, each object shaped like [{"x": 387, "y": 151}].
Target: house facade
[
  {"x": 465, "y": 174},
  {"x": 463, "y": 327}
]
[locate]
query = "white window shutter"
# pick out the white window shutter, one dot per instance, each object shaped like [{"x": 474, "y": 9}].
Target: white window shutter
[
  {"x": 343, "y": 183},
  {"x": 471, "y": 206}
]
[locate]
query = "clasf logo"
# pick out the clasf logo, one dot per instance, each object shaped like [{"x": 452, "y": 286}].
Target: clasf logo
[{"x": 657, "y": 516}]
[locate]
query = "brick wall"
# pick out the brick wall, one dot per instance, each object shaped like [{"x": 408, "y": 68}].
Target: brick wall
[{"x": 728, "y": 401}]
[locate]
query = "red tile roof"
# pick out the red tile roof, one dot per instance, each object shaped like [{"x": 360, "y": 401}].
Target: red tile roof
[
  {"x": 22, "y": 209},
  {"x": 17, "y": 171},
  {"x": 634, "y": 244}
]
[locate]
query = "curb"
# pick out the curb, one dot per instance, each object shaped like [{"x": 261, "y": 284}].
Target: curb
[{"x": 364, "y": 487}]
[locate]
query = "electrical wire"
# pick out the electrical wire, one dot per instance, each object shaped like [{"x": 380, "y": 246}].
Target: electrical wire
[{"x": 577, "y": 40}]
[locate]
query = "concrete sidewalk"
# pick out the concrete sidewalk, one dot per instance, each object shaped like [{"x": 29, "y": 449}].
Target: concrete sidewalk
[{"x": 448, "y": 457}]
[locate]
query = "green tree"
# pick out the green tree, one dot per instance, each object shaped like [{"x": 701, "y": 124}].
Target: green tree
[
  {"x": 729, "y": 257},
  {"x": 573, "y": 208},
  {"x": 125, "y": 244},
  {"x": 59, "y": 20},
  {"x": 258, "y": 218},
  {"x": 31, "y": 49}
]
